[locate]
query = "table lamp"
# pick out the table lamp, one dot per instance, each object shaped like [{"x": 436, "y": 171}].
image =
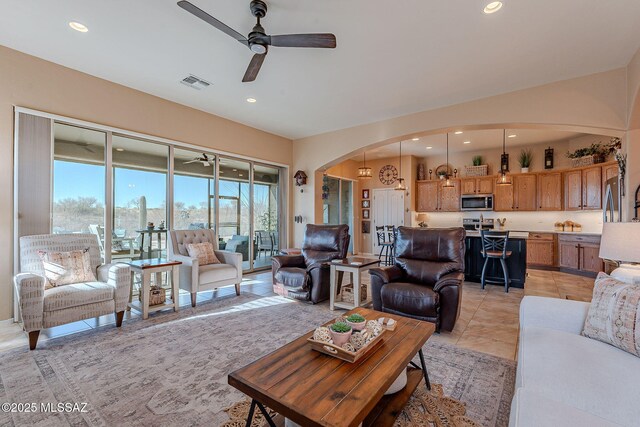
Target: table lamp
[
  {"x": 620, "y": 243},
  {"x": 422, "y": 219}
]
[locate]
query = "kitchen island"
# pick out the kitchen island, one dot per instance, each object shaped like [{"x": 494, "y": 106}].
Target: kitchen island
[{"x": 516, "y": 263}]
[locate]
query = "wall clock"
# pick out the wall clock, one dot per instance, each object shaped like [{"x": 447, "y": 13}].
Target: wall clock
[{"x": 388, "y": 174}]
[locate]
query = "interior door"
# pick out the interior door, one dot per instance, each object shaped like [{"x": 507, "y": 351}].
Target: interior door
[{"x": 388, "y": 209}]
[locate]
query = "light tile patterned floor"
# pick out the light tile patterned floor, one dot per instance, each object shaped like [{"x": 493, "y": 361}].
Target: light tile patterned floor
[{"x": 488, "y": 321}]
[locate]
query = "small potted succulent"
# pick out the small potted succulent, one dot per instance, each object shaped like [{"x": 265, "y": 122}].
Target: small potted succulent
[
  {"x": 356, "y": 321},
  {"x": 340, "y": 333}
]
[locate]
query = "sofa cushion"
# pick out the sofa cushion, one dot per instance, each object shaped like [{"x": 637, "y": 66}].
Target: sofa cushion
[
  {"x": 613, "y": 314},
  {"x": 203, "y": 252},
  {"x": 62, "y": 268},
  {"x": 294, "y": 278},
  {"x": 531, "y": 409},
  {"x": 217, "y": 272},
  {"x": 76, "y": 294},
  {"x": 583, "y": 373},
  {"x": 409, "y": 298}
]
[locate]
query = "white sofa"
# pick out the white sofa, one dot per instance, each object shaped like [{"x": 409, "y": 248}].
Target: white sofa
[
  {"x": 565, "y": 379},
  {"x": 195, "y": 278}
]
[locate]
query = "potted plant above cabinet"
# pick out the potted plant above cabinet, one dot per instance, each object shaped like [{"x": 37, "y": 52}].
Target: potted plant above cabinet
[{"x": 525, "y": 160}]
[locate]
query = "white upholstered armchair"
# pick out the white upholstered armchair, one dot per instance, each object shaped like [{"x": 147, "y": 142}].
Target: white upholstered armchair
[
  {"x": 194, "y": 277},
  {"x": 44, "y": 308}
]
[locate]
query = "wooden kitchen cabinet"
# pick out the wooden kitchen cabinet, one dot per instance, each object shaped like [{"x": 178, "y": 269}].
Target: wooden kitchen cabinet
[
  {"x": 608, "y": 172},
  {"x": 450, "y": 197},
  {"x": 427, "y": 196},
  {"x": 503, "y": 198},
  {"x": 482, "y": 185},
  {"x": 583, "y": 189},
  {"x": 550, "y": 191},
  {"x": 580, "y": 253},
  {"x": 541, "y": 250},
  {"x": 519, "y": 196},
  {"x": 431, "y": 196},
  {"x": 524, "y": 192}
]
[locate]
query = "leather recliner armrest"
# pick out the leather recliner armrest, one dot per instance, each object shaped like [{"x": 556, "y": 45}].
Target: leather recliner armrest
[
  {"x": 450, "y": 279},
  {"x": 281, "y": 261},
  {"x": 387, "y": 274}
]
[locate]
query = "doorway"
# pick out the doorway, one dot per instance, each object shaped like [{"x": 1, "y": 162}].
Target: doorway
[{"x": 387, "y": 208}]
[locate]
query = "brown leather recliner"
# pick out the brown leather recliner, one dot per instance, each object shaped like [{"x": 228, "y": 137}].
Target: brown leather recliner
[
  {"x": 426, "y": 281},
  {"x": 306, "y": 277}
]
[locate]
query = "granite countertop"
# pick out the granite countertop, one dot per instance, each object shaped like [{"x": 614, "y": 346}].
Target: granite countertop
[{"x": 521, "y": 234}]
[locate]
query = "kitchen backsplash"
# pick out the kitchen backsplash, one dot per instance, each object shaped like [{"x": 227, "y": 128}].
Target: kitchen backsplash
[{"x": 526, "y": 221}]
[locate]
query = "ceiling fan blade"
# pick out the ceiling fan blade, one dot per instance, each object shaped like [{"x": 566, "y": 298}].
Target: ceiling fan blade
[
  {"x": 325, "y": 40},
  {"x": 189, "y": 162},
  {"x": 195, "y": 10},
  {"x": 253, "y": 68}
]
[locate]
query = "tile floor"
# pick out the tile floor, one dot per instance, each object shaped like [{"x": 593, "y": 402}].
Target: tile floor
[{"x": 488, "y": 321}]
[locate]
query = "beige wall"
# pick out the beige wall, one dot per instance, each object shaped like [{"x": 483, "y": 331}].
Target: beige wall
[
  {"x": 30, "y": 82},
  {"x": 592, "y": 104},
  {"x": 633, "y": 136}
]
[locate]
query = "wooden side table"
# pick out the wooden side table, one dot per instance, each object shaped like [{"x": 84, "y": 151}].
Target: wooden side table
[
  {"x": 146, "y": 268},
  {"x": 355, "y": 266}
]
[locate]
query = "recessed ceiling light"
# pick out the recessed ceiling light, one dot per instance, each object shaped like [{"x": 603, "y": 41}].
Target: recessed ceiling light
[
  {"x": 513, "y": 135},
  {"x": 235, "y": 170},
  {"x": 251, "y": 100},
  {"x": 416, "y": 139},
  {"x": 458, "y": 132},
  {"x": 240, "y": 174},
  {"x": 78, "y": 26},
  {"x": 119, "y": 149},
  {"x": 467, "y": 142},
  {"x": 493, "y": 7},
  {"x": 429, "y": 148}
]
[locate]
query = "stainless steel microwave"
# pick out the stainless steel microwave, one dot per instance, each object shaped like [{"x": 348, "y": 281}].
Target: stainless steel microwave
[{"x": 477, "y": 202}]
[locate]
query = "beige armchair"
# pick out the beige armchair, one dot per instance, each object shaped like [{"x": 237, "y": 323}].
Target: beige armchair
[
  {"x": 44, "y": 308},
  {"x": 194, "y": 277}
]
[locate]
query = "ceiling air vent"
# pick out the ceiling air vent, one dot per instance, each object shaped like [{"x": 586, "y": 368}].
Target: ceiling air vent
[{"x": 195, "y": 82}]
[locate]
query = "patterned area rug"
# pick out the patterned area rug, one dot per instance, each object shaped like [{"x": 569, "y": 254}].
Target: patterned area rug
[
  {"x": 425, "y": 408},
  {"x": 172, "y": 368}
]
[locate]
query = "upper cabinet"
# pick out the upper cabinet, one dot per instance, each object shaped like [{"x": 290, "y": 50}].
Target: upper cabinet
[
  {"x": 572, "y": 189},
  {"x": 583, "y": 189},
  {"x": 431, "y": 196},
  {"x": 550, "y": 191},
  {"x": 483, "y": 185},
  {"x": 519, "y": 196}
]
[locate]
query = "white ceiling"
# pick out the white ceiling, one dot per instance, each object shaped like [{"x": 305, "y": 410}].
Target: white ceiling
[
  {"x": 393, "y": 58},
  {"x": 479, "y": 140}
]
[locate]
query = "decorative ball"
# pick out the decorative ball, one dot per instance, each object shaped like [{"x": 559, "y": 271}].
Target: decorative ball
[
  {"x": 349, "y": 347},
  {"x": 322, "y": 334},
  {"x": 358, "y": 341}
]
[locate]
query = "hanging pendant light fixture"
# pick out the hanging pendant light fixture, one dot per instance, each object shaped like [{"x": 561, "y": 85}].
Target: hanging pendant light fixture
[
  {"x": 504, "y": 178},
  {"x": 400, "y": 186},
  {"x": 448, "y": 182},
  {"x": 364, "y": 172}
]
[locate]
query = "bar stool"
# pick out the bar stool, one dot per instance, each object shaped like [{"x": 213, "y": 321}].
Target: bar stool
[
  {"x": 494, "y": 246},
  {"x": 386, "y": 246},
  {"x": 392, "y": 232}
]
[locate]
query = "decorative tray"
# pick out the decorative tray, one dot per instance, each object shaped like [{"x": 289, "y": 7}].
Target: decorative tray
[{"x": 359, "y": 344}]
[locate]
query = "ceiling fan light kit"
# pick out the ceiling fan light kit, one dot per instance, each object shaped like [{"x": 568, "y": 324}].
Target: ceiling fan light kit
[{"x": 258, "y": 41}]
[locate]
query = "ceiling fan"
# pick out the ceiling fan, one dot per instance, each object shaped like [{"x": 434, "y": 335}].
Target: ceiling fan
[
  {"x": 83, "y": 145},
  {"x": 204, "y": 159},
  {"x": 258, "y": 41}
]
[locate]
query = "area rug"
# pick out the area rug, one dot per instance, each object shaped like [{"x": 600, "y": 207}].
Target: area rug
[
  {"x": 172, "y": 368},
  {"x": 425, "y": 408}
]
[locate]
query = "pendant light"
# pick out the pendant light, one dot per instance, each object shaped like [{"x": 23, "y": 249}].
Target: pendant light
[
  {"x": 503, "y": 178},
  {"x": 448, "y": 182},
  {"x": 400, "y": 186},
  {"x": 364, "y": 172}
]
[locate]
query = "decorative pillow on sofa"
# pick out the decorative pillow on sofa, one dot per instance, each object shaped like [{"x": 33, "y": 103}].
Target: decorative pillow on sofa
[
  {"x": 63, "y": 268},
  {"x": 613, "y": 314},
  {"x": 203, "y": 252}
]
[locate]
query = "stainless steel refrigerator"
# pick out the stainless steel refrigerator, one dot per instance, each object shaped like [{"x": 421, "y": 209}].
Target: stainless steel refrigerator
[{"x": 612, "y": 201}]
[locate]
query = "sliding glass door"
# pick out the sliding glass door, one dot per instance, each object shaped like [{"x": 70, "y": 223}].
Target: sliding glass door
[{"x": 129, "y": 191}]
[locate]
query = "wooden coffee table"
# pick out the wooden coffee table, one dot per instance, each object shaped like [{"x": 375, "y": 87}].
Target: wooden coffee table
[{"x": 313, "y": 389}]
